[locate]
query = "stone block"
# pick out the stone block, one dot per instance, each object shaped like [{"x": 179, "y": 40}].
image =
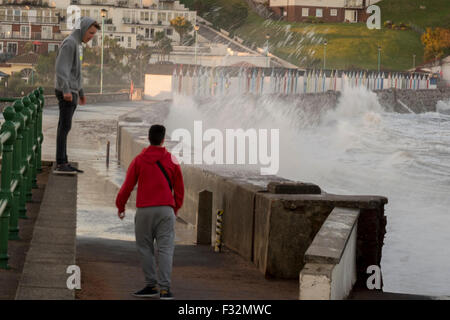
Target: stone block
[{"x": 293, "y": 188}]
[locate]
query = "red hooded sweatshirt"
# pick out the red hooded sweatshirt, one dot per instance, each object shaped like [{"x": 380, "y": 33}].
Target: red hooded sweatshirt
[{"x": 153, "y": 188}]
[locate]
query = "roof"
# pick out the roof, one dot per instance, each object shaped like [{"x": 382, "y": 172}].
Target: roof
[
  {"x": 2, "y": 74},
  {"x": 435, "y": 62},
  {"x": 26, "y": 58},
  {"x": 244, "y": 64}
]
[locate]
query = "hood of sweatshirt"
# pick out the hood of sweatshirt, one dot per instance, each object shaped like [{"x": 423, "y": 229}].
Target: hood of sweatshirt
[
  {"x": 85, "y": 23},
  {"x": 153, "y": 154}
]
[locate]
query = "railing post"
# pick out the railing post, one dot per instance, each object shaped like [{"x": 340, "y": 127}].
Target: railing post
[
  {"x": 16, "y": 174},
  {"x": 34, "y": 138},
  {"x": 29, "y": 152},
  {"x": 5, "y": 190},
  {"x": 23, "y": 192},
  {"x": 40, "y": 95}
]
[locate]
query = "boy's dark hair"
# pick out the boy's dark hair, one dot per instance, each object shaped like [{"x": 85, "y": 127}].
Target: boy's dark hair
[
  {"x": 156, "y": 134},
  {"x": 96, "y": 25}
]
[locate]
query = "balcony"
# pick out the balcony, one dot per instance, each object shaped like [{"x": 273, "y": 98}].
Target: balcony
[
  {"x": 30, "y": 3},
  {"x": 29, "y": 20},
  {"x": 130, "y": 21},
  {"x": 356, "y": 4},
  {"x": 33, "y": 36}
]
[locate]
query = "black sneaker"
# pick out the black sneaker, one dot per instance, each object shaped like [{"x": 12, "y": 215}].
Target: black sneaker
[
  {"x": 76, "y": 169},
  {"x": 147, "y": 292},
  {"x": 64, "y": 169},
  {"x": 166, "y": 295}
]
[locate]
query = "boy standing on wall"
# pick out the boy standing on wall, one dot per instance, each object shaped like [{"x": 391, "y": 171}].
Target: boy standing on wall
[{"x": 156, "y": 172}]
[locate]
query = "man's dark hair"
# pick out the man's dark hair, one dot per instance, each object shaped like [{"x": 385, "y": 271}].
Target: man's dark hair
[{"x": 156, "y": 134}]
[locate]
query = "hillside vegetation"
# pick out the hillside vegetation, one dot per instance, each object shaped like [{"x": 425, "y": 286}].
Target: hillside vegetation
[{"x": 349, "y": 46}]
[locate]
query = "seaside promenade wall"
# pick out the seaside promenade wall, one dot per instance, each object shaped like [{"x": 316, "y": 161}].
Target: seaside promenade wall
[{"x": 268, "y": 220}]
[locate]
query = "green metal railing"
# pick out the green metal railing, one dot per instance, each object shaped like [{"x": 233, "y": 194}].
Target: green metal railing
[{"x": 20, "y": 146}]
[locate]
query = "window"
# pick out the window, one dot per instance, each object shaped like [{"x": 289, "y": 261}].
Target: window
[
  {"x": 54, "y": 46},
  {"x": 1, "y": 47},
  {"x": 133, "y": 30},
  {"x": 47, "y": 32},
  {"x": 9, "y": 15},
  {"x": 25, "y": 32},
  {"x": 319, "y": 13},
  {"x": 24, "y": 16},
  {"x": 12, "y": 47},
  {"x": 145, "y": 16},
  {"x": 333, "y": 12},
  {"x": 6, "y": 29},
  {"x": 129, "y": 42},
  {"x": 47, "y": 16},
  {"x": 305, "y": 12},
  {"x": 169, "y": 32},
  {"x": 17, "y": 15}
]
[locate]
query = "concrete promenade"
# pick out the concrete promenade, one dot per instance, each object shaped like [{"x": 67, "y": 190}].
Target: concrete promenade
[{"x": 103, "y": 246}]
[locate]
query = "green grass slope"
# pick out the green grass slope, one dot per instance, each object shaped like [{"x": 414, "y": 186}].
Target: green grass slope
[{"x": 350, "y": 46}]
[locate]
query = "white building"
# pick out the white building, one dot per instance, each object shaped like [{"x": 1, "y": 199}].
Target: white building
[{"x": 132, "y": 22}]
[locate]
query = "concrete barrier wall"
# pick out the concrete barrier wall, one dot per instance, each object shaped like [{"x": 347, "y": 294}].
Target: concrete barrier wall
[{"x": 330, "y": 270}]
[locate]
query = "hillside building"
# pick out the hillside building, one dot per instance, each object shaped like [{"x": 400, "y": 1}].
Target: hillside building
[{"x": 326, "y": 10}]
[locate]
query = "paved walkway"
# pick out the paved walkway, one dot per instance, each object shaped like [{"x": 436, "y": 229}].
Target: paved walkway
[{"x": 17, "y": 249}]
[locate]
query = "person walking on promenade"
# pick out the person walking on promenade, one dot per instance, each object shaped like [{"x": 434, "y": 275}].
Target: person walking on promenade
[
  {"x": 68, "y": 87},
  {"x": 156, "y": 172}
]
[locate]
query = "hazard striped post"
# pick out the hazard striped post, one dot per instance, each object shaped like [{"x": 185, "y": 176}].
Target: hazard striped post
[{"x": 218, "y": 244}]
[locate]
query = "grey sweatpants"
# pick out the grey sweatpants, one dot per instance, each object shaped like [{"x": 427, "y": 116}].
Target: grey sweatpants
[{"x": 156, "y": 224}]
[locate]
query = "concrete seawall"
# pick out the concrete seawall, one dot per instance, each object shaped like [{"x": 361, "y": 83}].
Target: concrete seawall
[{"x": 271, "y": 227}]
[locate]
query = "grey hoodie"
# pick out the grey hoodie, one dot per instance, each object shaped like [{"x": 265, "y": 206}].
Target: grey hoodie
[{"x": 68, "y": 62}]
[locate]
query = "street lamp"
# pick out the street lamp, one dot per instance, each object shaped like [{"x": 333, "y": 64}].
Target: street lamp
[
  {"x": 103, "y": 14},
  {"x": 379, "y": 58},
  {"x": 267, "y": 50},
  {"x": 196, "y": 28},
  {"x": 324, "y": 54}
]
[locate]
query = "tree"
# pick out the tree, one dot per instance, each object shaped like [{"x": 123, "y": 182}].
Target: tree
[
  {"x": 181, "y": 26},
  {"x": 28, "y": 47},
  {"x": 45, "y": 68},
  {"x": 138, "y": 60},
  {"x": 437, "y": 43},
  {"x": 163, "y": 44}
]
